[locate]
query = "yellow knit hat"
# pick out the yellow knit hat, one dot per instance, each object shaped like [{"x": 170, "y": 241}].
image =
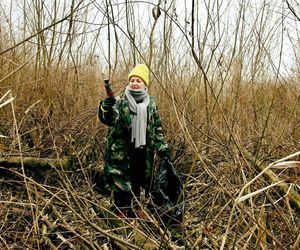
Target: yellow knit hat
[{"x": 141, "y": 71}]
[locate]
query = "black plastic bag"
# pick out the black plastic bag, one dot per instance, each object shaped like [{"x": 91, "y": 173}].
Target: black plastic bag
[{"x": 167, "y": 193}]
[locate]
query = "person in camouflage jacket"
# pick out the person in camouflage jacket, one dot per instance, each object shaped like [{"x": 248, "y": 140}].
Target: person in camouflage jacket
[{"x": 129, "y": 157}]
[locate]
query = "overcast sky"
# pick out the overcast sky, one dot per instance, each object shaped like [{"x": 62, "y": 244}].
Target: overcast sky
[{"x": 217, "y": 22}]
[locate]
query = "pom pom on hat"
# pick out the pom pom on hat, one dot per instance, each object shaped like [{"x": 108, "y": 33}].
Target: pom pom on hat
[{"x": 141, "y": 71}]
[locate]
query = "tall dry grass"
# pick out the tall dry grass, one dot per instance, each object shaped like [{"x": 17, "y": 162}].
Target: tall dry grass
[{"x": 221, "y": 118}]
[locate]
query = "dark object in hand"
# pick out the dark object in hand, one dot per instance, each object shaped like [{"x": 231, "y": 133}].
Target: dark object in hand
[{"x": 108, "y": 88}]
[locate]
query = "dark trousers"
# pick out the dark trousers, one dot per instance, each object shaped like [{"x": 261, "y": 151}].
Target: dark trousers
[{"x": 137, "y": 176}]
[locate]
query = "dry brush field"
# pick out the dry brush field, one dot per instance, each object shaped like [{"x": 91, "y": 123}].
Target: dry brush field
[{"x": 232, "y": 123}]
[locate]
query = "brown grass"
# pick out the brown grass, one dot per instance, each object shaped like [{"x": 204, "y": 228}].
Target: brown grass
[{"x": 216, "y": 142}]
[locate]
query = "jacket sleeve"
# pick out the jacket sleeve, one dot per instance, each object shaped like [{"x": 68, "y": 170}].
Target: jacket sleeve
[
  {"x": 109, "y": 116},
  {"x": 161, "y": 146}
]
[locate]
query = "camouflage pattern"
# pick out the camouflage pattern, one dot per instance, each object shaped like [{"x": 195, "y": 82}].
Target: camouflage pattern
[{"x": 117, "y": 159}]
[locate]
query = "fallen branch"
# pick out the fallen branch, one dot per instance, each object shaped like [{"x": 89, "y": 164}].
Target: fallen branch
[
  {"x": 287, "y": 190},
  {"x": 43, "y": 163}
]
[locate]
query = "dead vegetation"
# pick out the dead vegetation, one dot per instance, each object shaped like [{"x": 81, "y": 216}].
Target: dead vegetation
[{"x": 230, "y": 116}]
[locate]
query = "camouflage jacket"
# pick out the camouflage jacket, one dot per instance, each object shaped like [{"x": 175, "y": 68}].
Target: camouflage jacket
[{"x": 117, "y": 158}]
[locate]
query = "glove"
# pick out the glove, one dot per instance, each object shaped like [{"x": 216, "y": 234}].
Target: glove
[
  {"x": 164, "y": 154},
  {"x": 166, "y": 163},
  {"x": 108, "y": 103}
]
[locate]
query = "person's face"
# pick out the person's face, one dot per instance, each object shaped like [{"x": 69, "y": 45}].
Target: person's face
[{"x": 136, "y": 83}]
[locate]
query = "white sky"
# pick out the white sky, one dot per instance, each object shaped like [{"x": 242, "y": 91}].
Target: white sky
[{"x": 267, "y": 24}]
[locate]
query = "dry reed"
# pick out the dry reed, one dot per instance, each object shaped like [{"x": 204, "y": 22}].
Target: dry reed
[{"x": 221, "y": 127}]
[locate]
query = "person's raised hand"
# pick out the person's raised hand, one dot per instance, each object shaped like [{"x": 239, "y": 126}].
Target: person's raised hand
[{"x": 108, "y": 103}]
